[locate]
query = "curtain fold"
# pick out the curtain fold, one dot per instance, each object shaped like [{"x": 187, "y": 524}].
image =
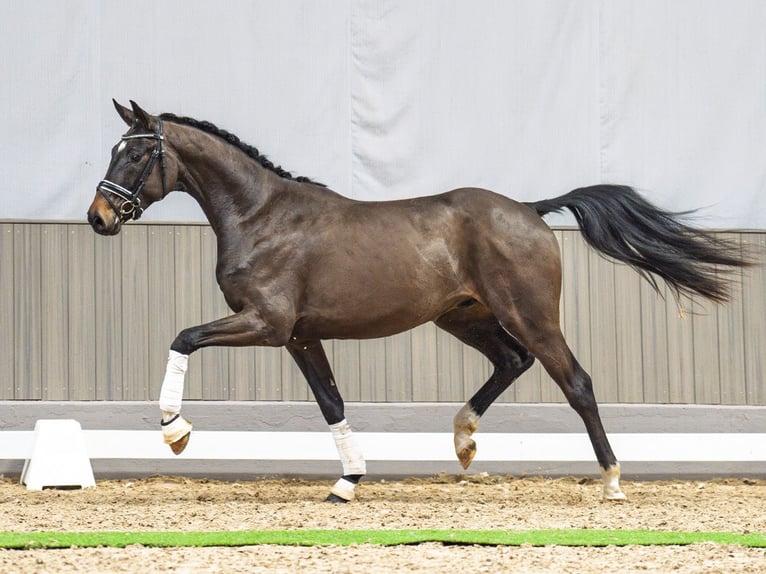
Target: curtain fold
[{"x": 385, "y": 99}]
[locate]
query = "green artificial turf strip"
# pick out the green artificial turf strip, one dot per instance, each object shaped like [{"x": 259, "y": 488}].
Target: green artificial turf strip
[{"x": 377, "y": 537}]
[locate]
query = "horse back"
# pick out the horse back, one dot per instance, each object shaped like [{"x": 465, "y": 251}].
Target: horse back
[{"x": 389, "y": 266}]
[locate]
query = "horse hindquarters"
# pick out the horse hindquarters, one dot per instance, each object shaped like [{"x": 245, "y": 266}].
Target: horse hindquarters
[
  {"x": 546, "y": 342},
  {"x": 526, "y": 303}
]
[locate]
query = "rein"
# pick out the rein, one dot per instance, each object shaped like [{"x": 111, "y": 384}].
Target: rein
[{"x": 131, "y": 208}]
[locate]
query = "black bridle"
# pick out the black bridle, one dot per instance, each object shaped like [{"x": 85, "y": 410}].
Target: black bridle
[{"x": 131, "y": 208}]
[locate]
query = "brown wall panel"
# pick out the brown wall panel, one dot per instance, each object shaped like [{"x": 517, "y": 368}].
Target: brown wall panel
[{"x": 92, "y": 318}]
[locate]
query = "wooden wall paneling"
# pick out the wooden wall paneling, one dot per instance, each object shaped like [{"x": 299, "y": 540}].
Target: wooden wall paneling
[
  {"x": 707, "y": 375},
  {"x": 119, "y": 302},
  {"x": 135, "y": 313},
  {"x": 346, "y": 365},
  {"x": 681, "y": 369},
  {"x": 731, "y": 340},
  {"x": 108, "y": 312},
  {"x": 162, "y": 303},
  {"x": 268, "y": 374},
  {"x": 754, "y": 320},
  {"x": 242, "y": 383},
  {"x": 27, "y": 279},
  {"x": 449, "y": 364},
  {"x": 372, "y": 370},
  {"x": 54, "y": 327},
  {"x": 7, "y": 312},
  {"x": 188, "y": 299},
  {"x": 654, "y": 343},
  {"x": 215, "y": 360},
  {"x": 603, "y": 321},
  {"x": 425, "y": 364},
  {"x": 83, "y": 330},
  {"x": 399, "y": 368},
  {"x": 629, "y": 338}
]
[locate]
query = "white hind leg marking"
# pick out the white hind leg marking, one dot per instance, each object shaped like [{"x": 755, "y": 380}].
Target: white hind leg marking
[
  {"x": 466, "y": 422},
  {"x": 611, "y": 478}
]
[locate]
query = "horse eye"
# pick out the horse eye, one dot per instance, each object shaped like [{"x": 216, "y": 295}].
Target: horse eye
[{"x": 134, "y": 156}]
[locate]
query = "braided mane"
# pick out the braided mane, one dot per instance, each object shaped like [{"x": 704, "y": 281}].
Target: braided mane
[{"x": 230, "y": 138}]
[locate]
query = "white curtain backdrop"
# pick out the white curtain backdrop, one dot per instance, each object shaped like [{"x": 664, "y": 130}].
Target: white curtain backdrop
[{"x": 389, "y": 99}]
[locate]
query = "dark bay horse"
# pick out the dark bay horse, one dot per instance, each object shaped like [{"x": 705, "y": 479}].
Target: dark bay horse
[{"x": 298, "y": 263}]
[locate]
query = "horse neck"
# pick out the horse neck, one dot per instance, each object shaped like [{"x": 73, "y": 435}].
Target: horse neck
[{"x": 227, "y": 184}]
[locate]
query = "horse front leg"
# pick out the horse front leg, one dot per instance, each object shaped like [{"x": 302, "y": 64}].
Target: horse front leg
[
  {"x": 245, "y": 328},
  {"x": 176, "y": 430},
  {"x": 312, "y": 361}
]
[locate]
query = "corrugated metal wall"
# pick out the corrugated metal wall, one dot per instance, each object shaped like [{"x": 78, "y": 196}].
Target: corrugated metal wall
[{"x": 91, "y": 318}]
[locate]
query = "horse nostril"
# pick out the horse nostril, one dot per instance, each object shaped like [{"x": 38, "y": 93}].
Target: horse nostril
[{"x": 95, "y": 221}]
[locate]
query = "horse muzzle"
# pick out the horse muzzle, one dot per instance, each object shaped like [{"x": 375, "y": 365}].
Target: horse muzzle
[{"x": 104, "y": 223}]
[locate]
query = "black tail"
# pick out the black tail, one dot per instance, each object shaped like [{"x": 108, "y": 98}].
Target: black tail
[{"x": 618, "y": 222}]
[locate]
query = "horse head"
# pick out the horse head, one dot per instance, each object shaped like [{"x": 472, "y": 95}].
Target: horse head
[{"x": 141, "y": 172}]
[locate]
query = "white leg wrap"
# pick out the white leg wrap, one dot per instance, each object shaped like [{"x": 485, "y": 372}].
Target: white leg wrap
[
  {"x": 350, "y": 454},
  {"x": 172, "y": 391},
  {"x": 611, "y": 478},
  {"x": 171, "y": 395}
]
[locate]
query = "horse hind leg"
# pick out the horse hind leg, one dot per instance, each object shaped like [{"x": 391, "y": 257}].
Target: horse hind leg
[
  {"x": 547, "y": 344},
  {"x": 534, "y": 320},
  {"x": 477, "y": 328},
  {"x": 579, "y": 393}
]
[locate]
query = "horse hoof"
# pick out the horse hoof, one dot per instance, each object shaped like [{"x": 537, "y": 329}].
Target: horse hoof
[
  {"x": 615, "y": 497},
  {"x": 176, "y": 432},
  {"x": 335, "y": 499},
  {"x": 179, "y": 446},
  {"x": 466, "y": 453},
  {"x": 611, "y": 478}
]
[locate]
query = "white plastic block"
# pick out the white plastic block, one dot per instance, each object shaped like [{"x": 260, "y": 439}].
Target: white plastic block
[{"x": 59, "y": 456}]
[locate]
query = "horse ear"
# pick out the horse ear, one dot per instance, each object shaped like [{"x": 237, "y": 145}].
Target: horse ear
[
  {"x": 144, "y": 119},
  {"x": 126, "y": 115}
]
